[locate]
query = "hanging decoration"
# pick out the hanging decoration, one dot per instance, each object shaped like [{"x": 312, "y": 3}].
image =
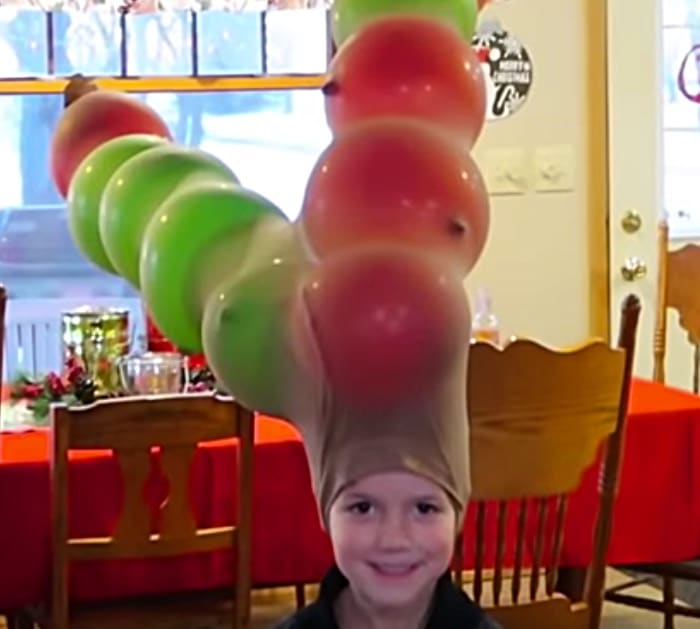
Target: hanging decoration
[{"x": 507, "y": 69}]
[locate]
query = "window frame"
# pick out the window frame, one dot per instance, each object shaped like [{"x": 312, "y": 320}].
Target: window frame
[
  {"x": 681, "y": 228},
  {"x": 21, "y": 313}
]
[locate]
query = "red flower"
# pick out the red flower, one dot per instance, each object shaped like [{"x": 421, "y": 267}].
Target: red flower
[
  {"x": 32, "y": 391},
  {"x": 55, "y": 385},
  {"x": 75, "y": 373},
  {"x": 73, "y": 361}
]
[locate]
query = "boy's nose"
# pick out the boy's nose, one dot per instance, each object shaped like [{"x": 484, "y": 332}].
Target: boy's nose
[{"x": 393, "y": 533}]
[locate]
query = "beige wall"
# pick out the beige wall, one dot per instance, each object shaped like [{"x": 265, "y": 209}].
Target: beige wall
[{"x": 536, "y": 263}]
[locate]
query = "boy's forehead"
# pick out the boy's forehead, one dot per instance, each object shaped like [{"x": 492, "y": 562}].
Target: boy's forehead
[{"x": 393, "y": 483}]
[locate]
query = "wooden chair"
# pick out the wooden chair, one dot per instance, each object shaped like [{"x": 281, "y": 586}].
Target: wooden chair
[
  {"x": 537, "y": 419},
  {"x": 678, "y": 287},
  {"x": 131, "y": 427}
]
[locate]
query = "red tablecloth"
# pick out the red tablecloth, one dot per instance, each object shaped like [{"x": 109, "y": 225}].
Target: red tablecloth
[{"x": 657, "y": 514}]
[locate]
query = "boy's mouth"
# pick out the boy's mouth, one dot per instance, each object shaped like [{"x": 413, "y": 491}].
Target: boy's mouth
[{"x": 394, "y": 570}]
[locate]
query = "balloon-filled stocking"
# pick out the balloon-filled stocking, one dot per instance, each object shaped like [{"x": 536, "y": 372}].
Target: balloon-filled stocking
[
  {"x": 395, "y": 209},
  {"x": 364, "y": 292}
]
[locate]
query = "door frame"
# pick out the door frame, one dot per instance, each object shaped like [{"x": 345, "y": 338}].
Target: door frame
[{"x": 598, "y": 180}]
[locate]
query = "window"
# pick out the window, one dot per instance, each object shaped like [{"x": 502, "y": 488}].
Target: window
[
  {"x": 681, "y": 118},
  {"x": 271, "y": 138}
]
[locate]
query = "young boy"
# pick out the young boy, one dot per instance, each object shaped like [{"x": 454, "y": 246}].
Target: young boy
[
  {"x": 392, "y": 490},
  {"x": 393, "y": 535}
]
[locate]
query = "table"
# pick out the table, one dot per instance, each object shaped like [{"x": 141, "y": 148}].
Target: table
[{"x": 657, "y": 516}]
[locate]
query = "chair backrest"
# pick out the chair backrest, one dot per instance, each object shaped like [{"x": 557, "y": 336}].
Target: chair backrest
[
  {"x": 131, "y": 428},
  {"x": 677, "y": 287},
  {"x": 538, "y": 417}
]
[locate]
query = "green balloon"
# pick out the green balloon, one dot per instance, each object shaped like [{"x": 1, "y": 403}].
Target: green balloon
[
  {"x": 348, "y": 16},
  {"x": 88, "y": 185},
  {"x": 136, "y": 192},
  {"x": 199, "y": 236},
  {"x": 247, "y": 325}
]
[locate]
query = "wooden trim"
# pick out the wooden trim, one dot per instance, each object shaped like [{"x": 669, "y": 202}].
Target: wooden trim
[
  {"x": 170, "y": 84},
  {"x": 598, "y": 169}
]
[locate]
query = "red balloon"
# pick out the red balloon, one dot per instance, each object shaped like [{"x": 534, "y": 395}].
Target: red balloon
[
  {"x": 389, "y": 323},
  {"x": 92, "y": 120},
  {"x": 407, "y": 66},
  {"x": 397, "y": 180}
]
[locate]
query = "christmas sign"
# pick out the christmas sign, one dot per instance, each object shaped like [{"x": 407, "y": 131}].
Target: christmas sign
[{"x": 507, "y": 68}]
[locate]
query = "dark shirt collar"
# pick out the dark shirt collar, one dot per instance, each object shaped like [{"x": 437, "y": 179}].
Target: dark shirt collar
[{"x": 452, "y": 608}]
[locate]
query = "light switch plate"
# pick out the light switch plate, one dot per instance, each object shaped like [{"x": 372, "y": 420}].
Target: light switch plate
[
  {"x": 554, "y": 168},
  {"x": 507, "y": 171}
]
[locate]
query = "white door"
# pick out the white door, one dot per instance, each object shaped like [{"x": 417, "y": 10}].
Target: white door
[{"x": 653, "y": 159}]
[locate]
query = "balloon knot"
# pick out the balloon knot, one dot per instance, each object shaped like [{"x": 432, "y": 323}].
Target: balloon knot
[
  {"x": 77, "y": 87},
  {"x": 331, "y": 88},
  {"x": 456, "y": 227}
]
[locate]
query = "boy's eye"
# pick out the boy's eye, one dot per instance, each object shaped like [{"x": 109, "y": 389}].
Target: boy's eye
[
  {"x": 425, "y": 508},
  {"x": 361, "y": 508}
]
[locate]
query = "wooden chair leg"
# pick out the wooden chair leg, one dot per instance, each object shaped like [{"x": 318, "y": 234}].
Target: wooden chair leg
[
  {"x": 669, "y": 598},
  {"x": 244, "y": 526},
  {"x": 242, "y": 604},
  {"x": 571, "y": 583},
  {"x": 300, "y": 594}
]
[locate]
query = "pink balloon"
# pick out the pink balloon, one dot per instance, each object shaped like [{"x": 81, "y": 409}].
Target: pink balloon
[
  {"x": 389, "y": 323},
  {"x": 397, "y": 180},
  {"x": 408, "y": 66},
  {"x": 90, "y": 121}
]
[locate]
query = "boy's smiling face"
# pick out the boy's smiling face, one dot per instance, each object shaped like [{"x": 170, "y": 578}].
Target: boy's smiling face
[{"x": 393, "y": 537}]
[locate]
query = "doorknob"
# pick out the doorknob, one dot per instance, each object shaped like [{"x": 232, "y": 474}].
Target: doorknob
[
  {"x": 633, "y": 269},
  {"x": 631, "y": 221}
]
